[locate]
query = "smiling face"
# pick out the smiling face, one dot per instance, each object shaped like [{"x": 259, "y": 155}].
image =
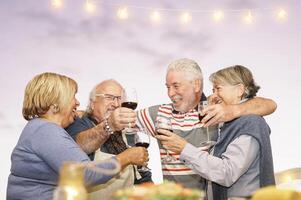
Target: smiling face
[
  {"x": 69, "y": 112},
  {"x": 107, "y": 99},
  {"x": 233, "y": 84},
  {"x": 227, "y": 93},
  {"x": 184, "y": 93}
]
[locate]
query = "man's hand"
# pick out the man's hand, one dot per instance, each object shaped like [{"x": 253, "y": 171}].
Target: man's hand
[
  {"x": 122, "y": 118},
  {"x": 133, "y": 156},
  {"x": 218, "y": 113},
  {"x": 171, "y": 141}
]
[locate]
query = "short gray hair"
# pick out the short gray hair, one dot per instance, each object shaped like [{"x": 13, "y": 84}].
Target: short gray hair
[
  {"x": 91, "y": 99},
  {"x": 190, "y": 67},
  {"x": 234, "y": 75}
]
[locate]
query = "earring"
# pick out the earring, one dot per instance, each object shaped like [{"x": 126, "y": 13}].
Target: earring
[{"x": 56, "y": 108}]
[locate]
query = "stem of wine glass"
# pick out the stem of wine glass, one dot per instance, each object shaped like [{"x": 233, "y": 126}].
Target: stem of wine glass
[
  {"x": 144, "y": 140},
  {"x": 208, "y": 134}
]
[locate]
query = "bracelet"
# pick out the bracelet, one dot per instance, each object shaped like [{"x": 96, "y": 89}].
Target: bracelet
[{"x": 107, "y": 128}]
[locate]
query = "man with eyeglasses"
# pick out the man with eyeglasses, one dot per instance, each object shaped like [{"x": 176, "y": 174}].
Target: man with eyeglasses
[{"x": 99, "y": 130}]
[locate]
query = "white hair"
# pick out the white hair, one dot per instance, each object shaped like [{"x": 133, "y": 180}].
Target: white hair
[
  {"x": 92, "y": 95},
  {"x": 191, "y": 68}
]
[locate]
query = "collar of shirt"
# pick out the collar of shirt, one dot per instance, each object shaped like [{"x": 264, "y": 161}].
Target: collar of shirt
[
  {"x": 94, "y": 121},
  {"x": 203, "y": 98},
  {"x": 174, "y": 111}
]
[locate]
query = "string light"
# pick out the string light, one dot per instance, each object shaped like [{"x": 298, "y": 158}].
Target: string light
[
  {"x": 281, "y": 14},
  {"x": 90, "y": 7},
  {"x": 56, "y": 3},
  {"x": 248, "y": 18},
  {"x": 155, "y": 16},
  {"x": 218, "y": 15},
  {"x": 122, "y": 13},
  {"x": 185, "y": 17}
]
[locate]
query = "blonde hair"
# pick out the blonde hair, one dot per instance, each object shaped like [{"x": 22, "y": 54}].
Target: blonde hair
[
  {"x": 235, "y": 75},
  {"x": 45, "y": 90}
]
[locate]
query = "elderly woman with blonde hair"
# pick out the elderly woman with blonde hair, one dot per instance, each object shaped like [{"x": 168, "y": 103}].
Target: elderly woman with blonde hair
[
  {"x": 241, "y": 160},
  {"x": 49, "y": 106}
]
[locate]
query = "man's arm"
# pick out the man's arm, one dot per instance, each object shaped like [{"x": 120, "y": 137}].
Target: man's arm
[
  {"x": 90, "y": 140},
  {"x": 218, "y": 113},
  {"x": 86, "y": 135}
]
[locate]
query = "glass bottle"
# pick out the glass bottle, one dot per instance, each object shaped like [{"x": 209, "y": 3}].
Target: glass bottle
[{"x": 71, "y": 183}]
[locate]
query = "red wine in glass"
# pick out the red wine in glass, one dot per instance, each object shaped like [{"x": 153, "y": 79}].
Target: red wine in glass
[
  {"x": 129, "y": 100},
  {"x": 131, "y": 105},
  {"x": 201, "y": 107},
  {"x": 142, "y": 144},
  {"x": 163, "y": 123},
  {"x": 142, "y": 139},
  {"x": 145, "y": 145},
  {"x": 201, "y": 117}
]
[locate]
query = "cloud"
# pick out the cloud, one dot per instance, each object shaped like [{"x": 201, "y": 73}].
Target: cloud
[
  {"x": 238, "y": 4},
  {"x": 157, "y": 55},
  {"x": 106, "y": 32},
  {"x": 6, "y": 126},
  {"x": 43, "y": 25},
  {"x": 47, "y": 18},
  {"x": 64, "y": 30},
  {"x": 2, "y": 116},
  {"x": 198, "y": 40}
]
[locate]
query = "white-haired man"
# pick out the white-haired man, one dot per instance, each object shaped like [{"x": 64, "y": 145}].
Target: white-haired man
[{"x": 184, "y": 82}]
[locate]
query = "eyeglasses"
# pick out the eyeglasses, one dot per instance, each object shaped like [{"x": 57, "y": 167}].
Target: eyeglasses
[{"x": 109, "y": 97}]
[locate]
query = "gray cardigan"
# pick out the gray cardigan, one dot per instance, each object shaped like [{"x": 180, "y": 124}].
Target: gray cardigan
[{"x": 256, "y": 127}]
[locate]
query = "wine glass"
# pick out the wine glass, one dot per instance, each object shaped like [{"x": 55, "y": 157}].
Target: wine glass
[
  {"x": 165, "y": 123},
  {"x": 208, "y": 143},
  {"x": 129, "y": 100},
  {"x": 142, "y": 139}
]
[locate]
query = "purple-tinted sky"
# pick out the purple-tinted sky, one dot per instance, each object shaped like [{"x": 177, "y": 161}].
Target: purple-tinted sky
[{"x": 36, "y": 38}]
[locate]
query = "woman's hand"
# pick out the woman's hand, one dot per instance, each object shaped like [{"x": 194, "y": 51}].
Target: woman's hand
[{"x": 171, "y": 141}]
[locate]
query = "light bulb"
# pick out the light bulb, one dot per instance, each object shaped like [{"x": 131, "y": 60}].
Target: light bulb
[
  {"x": 185, "y": 18},
  {"x": 155, "y": 16},
  {"x": 56, "y": 3},
  {"x": 218, "y": 15},
  {"x": 90, "y": 7},
  {"x": 122, "y": 13},
  {"x": 248, "y": 18},
  {"x": 281, "y": 14}
]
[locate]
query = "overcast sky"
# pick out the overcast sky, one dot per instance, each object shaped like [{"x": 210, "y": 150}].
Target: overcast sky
[{"x": 36, "y": 38}]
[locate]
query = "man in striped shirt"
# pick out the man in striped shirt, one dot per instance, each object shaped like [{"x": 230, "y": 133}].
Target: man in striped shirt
[{"x": 184, "y": 82}]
